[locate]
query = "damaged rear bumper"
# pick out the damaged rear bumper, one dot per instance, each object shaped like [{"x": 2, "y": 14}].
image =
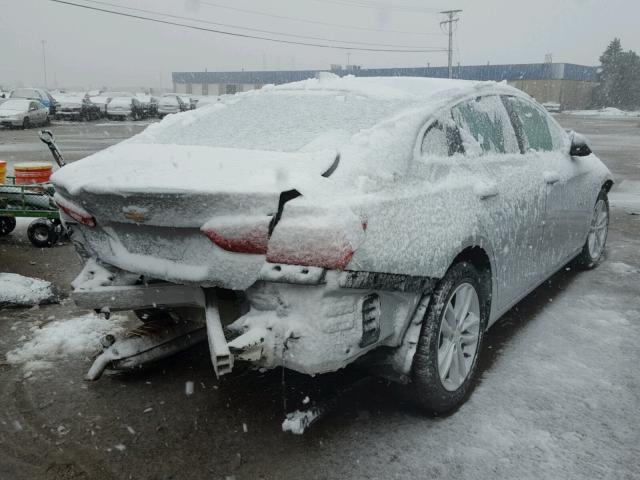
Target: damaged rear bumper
[{"x": 308, "y": 320}]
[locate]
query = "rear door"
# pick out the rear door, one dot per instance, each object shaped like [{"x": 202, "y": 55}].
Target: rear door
[
  {"x": 568, "y": 204},
  {"x": 512, "y": 200}
]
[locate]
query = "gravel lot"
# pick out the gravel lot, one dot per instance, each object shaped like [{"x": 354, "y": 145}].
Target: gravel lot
[{"x": 558, "y": 396}]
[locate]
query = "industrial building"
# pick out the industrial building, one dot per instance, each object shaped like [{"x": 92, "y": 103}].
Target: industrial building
[{"x": 568, "y": 84}]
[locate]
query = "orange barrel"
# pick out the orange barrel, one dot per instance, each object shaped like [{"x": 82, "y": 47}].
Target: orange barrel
[
  {"x": 32, "y": 172},
  {"x": 3, "y": 171}
]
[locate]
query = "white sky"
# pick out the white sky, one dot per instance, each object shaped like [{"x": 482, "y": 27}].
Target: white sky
[{"x": 86, "y": 48}]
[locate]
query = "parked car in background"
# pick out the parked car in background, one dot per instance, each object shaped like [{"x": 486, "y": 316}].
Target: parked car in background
[
  {"x": 149, "y": 104},
  {"x": 121, "y": 108},
  {"x": 101, "y": 101},
  {"x": 22, "y": 112},
  {"x": 43, "y": 96},
  {"x": 552, "y": 107},
  {"x": 171, "y": 103},
  {"x": 386, "y": 220},
  {"x": 205, "y": 100},
  {"x": 77, "y": 108}
]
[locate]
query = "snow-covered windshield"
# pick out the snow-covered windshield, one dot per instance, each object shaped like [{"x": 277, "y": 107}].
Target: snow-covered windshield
[
  {"x": 24, "y": 93},
  {"x": 15, "y": 105},
  {"x": 277, "y": 120}
]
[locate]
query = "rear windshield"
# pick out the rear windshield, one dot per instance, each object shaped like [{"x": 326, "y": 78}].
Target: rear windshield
[{"x": 280, "y": 121}]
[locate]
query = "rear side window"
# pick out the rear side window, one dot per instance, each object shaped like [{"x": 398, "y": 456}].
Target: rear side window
[
  {"x": 442, "y": 139},
  {"x": 536, "y": 134},
  {"x": 485, "y": 126}
]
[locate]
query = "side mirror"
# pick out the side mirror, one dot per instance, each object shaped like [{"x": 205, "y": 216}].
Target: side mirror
[{"x": 579, "y": 147}]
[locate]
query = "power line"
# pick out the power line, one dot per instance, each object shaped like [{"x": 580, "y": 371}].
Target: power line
[
  {"x": 314, "y": 22},
  {"x": 244, "y": 35},
  {"x": 379, "y": 5},
  {"x": 153, "y": 12}
]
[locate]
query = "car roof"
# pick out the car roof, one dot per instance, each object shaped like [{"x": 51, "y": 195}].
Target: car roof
[{"x": 407, "y": 88}]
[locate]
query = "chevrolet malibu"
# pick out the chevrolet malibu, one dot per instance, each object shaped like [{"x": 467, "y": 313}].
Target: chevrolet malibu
[{"x": 385, "y": 221}]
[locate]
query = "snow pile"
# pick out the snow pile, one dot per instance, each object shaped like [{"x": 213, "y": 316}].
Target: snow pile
[
  {"x": 16, "y": 290},
  {"x": 60, "y": 339}
]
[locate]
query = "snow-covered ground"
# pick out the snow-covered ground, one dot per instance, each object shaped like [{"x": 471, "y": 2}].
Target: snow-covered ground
[
  {"x": 604, "y": 112},
  {"x": 626, "y": 195},
  {"x": 17, "y": 290},
  {"x": 62, "y": 339}
]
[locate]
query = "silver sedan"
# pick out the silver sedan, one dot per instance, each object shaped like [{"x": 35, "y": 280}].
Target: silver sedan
[
  {"x": 23, "y": 113},
  {"x": 401, "y": 215}
]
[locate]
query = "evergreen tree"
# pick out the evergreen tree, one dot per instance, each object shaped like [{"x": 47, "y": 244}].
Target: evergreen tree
[{"x": 619, "y": 78}]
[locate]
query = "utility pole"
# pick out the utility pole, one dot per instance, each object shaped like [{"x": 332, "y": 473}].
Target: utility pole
[
  {"x": 451, "y": 19},
  {"x": 44, "y": 62}
]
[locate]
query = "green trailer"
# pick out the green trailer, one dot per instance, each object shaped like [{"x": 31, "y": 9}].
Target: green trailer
[{"x": 33, "y": 201}]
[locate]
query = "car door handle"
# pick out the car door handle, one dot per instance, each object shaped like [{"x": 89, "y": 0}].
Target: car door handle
[
  {"x": 551, "y": 177},
  {"x": 486, "y": 190}
]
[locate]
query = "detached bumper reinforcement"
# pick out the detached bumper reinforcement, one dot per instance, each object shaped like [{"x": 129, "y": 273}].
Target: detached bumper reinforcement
[
  {"x": 117, "y": 298},
  {"x": 143, "y": 347}
]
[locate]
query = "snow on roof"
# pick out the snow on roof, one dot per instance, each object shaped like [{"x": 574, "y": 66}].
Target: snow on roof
[{"x": 385, "y": 87}]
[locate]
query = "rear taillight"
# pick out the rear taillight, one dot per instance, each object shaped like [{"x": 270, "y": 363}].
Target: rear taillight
[
  {"x": 320, "y": 241},
  {"x": 74, "y": 211},
  {"x": 249, "y": 235},
  {"x": 334, "y": 257}
]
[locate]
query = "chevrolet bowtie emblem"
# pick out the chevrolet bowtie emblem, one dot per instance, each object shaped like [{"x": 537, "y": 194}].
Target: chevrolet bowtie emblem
[{"x": 135, "y": 215}]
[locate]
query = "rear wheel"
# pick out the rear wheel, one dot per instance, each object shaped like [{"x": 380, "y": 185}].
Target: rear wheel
[
  {"x": 593, "y": 249},
  {"x": 42, "y": 233},
  {"x": 445, "y": 363},
  {"x": 7, "y": 225}
]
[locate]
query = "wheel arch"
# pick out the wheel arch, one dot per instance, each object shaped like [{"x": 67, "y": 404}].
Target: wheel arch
[{"x": 481, "y": 257}]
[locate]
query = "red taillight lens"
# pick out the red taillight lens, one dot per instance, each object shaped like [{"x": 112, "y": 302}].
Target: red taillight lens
[
  {"x": 76, "y": 212},
  {"x": 239, "y": 235},
  {"x": 327, "y": 242},
  {"x": 336, "y": 259}
]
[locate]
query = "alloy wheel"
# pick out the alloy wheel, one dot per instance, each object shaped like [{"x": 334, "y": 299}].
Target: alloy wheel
[
  {"x": 458, "y": 336},
  {"x": 598, "y": 230}
]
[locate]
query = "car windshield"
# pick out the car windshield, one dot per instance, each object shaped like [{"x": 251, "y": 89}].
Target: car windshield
[
  {"x": 24, "y": 93},
  {"x": 15, "y": 105},
  {"x": 280, "y": 120}
]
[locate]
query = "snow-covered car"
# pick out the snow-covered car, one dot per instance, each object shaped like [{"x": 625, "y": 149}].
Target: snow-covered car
[
  {"x": 101, "y": 101},
  {"x": 171, "y": 103},
  {"x": 313, "y": 224},
  {"x": 77, "y": 108},
  {"x": 552, "y": 107},
  {"x": 21, "y": 112},
  {"x": 149, "y": 103},
  {"x": 43, "y": 96},
  {"x": 121, "y": 108}
]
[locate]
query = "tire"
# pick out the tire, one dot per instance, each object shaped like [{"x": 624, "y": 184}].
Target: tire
[
  {"x": 441, "y": 393},
  {"x": 26, "y": 123},
  {"x": 42, "y": 233},
  {"x": 593, "y": 250},
  {"x": 7, "y": 225}
]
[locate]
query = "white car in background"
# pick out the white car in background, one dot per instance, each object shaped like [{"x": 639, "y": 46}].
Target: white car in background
[
  {"x": 121, "y": 108},
  {"x": 171, "y": 103},
  {"x": 313, "y": 224},
  {"x": 552, "y": 107},
  {"x": 25, "y": 113}
]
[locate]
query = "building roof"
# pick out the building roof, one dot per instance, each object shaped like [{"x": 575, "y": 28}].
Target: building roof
[{"x": 524, "y": 71}]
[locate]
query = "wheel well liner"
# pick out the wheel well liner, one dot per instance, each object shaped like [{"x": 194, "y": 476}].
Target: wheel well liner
[{"x": 479, "y": 258}]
